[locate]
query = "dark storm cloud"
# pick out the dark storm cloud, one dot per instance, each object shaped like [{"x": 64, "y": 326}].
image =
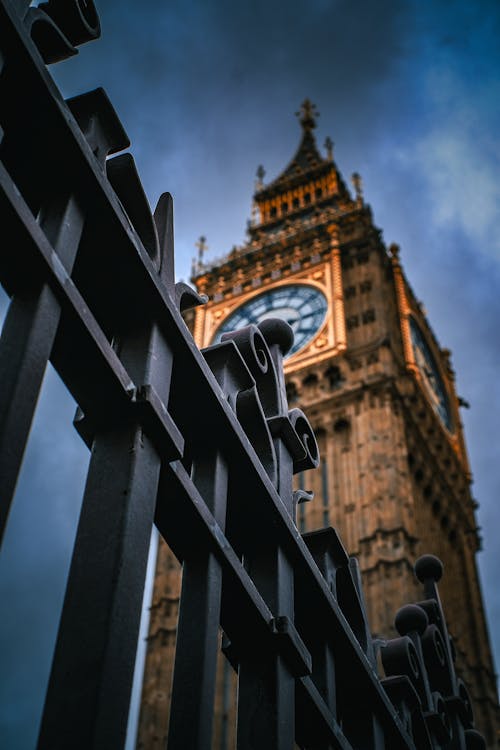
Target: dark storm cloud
[
  {"x": 207, "y": 90},
  {"x": 34, "y": 562}
]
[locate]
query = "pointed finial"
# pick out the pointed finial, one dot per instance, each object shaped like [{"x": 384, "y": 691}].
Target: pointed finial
[
  {"x": 307, "y": 114},
  {"x": 358, "y": 187},
  {"x": 394, "y": 250},
  {"x": 329, "y": 148},
  {"x": 202, "y": 248},
  {"x": 260, "y": 174}
]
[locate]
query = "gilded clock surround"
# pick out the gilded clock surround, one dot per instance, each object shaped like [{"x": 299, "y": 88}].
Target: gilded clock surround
[{"x": 328, "y": 340}]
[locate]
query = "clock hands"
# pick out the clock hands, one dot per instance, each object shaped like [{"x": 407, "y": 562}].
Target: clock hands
[{"x": 302, "y": 306}]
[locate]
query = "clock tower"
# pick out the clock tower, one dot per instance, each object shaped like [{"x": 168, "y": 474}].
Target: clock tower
[{"x": 379, "y": 391}]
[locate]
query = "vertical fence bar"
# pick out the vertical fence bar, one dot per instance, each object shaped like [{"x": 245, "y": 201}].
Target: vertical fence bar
[
  {"x": 89, "y": 691},
  {"x": 266, "y": 687},
  {"x": 193, "y": 690},
  {"x": 25, "y": 346}
]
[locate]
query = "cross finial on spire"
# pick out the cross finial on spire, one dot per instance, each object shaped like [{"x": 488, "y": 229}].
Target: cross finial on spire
[{"x": 307, "y": 114}]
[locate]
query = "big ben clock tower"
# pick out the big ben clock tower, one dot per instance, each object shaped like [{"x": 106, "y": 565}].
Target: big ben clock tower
[{"x": 379, "y": 392}]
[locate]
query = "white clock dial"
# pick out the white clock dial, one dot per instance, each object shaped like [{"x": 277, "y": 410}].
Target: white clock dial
[{"x": 301, "y": 305}]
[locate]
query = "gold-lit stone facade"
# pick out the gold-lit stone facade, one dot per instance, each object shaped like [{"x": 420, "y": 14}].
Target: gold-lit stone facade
[{"x": 379, "y": 391}]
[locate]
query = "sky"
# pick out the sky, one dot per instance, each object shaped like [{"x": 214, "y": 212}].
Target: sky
[{"x": 409, "y": 91}]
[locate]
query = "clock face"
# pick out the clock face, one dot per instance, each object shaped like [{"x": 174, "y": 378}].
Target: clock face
[
  {"x": 430, "y": 375},
  {"x": 302, "y": 306}
]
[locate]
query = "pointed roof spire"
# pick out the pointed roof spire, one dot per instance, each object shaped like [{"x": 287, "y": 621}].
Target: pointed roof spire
[
  {"x": 329, "y": 148},
  {"x": 358, "y": 187},
  {"x": 306, "y": 158},
  {"x": 202, "y": 247},
  {"x": 309, "y": 178}
]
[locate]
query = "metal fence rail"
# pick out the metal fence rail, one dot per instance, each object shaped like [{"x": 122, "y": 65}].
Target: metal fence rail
[{"x": 202, "y": 444}]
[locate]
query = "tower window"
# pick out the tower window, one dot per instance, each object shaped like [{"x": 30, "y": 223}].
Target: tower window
[
  {"x": 301, "y": 508},
  {"x": 296, "y": 203},
  {"x": 291, "y": 393},
  {"x": 310, "y": 380},
  {"x": 324, "y": 491},
  {"x": 307, "y": 198},
  {"x": 365, "y": 286},
  {"x": 226, "y": 704},
  {"x": 334, "y": 376},
  {"x": 273, "y": 212},
  {"x": 318, "y": 192},
  {"x": 350, "y": 292},
  {"x": 368, "y": 316},
  {"x": 302, "y": 518},
  {"x": 341, "y": 425},
  {"x": 342, "y": 430},
  {"x": 284, "y": 207},
  {"x": 352, "y": 322}
]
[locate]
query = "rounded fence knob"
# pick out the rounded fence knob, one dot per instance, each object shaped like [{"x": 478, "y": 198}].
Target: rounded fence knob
[
  {"x": 411, "y": 618},
  {"x": 429, "y": 567},
  {"x": 277, "y": 331},
  {"x": 474, "y": 740}
]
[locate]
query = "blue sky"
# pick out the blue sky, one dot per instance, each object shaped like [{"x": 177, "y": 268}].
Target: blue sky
[{"x": 410, "y": 93}]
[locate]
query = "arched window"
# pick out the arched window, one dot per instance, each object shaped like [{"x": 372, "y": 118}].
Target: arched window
[
  {"x": 310, "y": 380},
  {"x": 334, "y": 376},
  {"x": 342, "y": 430},
  {"x": 291, "y": 392}
]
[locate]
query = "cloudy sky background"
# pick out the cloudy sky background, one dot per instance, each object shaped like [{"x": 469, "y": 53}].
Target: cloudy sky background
[{"x": 409, "y": 90}]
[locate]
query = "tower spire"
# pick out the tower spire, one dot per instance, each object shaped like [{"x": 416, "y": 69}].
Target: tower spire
[
  {"x": 261, "y": 173},
  {"x": 329, "y": 148},
  {"x": 358, "y": 187}
]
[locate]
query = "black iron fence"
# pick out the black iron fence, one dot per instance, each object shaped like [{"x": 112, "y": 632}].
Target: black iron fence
[{"x": 202, "y": 444}]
